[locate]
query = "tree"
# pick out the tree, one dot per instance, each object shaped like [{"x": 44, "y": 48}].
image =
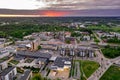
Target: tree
[
  {"x": 39, "y": 47},
  {"x": 67, "y": 41},
  {"x": 37, "y": 77},
  {"x": 2, "y": 34}
]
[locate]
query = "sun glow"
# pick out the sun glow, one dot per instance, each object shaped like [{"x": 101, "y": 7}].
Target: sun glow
[{"x": 54, "y": 13}]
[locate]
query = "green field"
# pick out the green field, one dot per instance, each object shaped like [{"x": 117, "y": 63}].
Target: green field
[
  {"x": 113, "y": 73},
  {"x": 89, "y": 67}
]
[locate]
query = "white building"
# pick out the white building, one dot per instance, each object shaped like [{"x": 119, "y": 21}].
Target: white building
[
  {"x": 3, "y": 65},
  {"x": 8, "y": 74},
  {"x": 3, "y": 53}
]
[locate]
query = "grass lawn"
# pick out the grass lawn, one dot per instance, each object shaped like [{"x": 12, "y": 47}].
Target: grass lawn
[
  {"x": 113, "y": 73},
  {"x": 89, "y": 67},
  {"x": 14, "y": 62}
]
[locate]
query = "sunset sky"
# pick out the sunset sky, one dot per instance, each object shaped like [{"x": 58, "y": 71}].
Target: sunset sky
[{"x": 60, "y": 7}]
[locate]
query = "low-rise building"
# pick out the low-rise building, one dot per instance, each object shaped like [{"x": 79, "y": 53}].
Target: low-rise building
[
  {"x": 8, "y": 73},
  {"x": 2, "y": 41},
  {"x": 3, "y": 53},
  {"x": 38, "y": 59},
  {"x": 61, "y": 63},
  {"x": 31, "y": 45},
  {"x": 27, "y": 75},
  {"x": 3, "y": 65},
  {"x": 11, "y": 49},
  {"x": 86, "y": 38}
]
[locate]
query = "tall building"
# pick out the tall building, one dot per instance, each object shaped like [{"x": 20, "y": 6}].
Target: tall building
[{"x": 35, "y": 43}]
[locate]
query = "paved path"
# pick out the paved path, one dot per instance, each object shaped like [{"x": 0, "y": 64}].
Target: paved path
[
  {"x": 97, "y": 37},
  {"x": 78, "y": 70}
]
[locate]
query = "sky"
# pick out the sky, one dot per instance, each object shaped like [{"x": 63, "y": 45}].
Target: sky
[{"x": 60, "y": 7}]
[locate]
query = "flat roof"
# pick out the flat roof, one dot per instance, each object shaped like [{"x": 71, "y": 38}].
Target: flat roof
[
  {"x": 59, "y": 62},
  {"x": 6, "y": 71},
  {"x": 36, "y": 54},
  {"x": 25, "y": 76},
  {"x": 42, "y": 59}
]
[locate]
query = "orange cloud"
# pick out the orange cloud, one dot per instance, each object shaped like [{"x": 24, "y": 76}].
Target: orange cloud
[{"x": 54, "y": 13}]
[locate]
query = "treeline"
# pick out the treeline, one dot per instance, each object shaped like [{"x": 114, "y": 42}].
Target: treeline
[
  {"x": 104, "y": 28},
  {"x": 111, "y": 52},
  {"x": 20, "y": 30},
  {"x": 114, "y": 40},
  {"x": 39, "y": 20}
]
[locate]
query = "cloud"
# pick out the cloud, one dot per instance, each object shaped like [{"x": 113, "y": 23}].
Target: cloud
[
  {"x": 85, "y": 4},
  {"x": 60, "y": 4}
]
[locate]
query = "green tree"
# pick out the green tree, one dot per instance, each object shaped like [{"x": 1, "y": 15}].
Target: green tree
[
  {"x": 67, "y": 41},
  {"x": 39, "y": 47},
  {"x": 37, "y": 77}
]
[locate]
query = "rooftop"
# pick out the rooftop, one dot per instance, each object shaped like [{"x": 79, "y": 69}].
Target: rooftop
[
  {"x": 25, "y": 76},
  {"x": 42, "y": 59},
  {"x": 60, "y": 61},
  {"x": 36, "y": 54},
  {"x": 6, "y": 71}
]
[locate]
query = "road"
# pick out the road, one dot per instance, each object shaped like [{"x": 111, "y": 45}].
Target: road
[
  {"x": 97, "y": 37},
  {"x": 105, "y": 63},
  {"x": 77, "y": 73}
]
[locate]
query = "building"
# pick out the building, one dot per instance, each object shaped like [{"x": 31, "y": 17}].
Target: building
[
  {"x": 3, "y": 52},
  {"x": 86, "y": 38},
  {"x": 3, "y": 65},
  {"x": 39, "y": 59},
  {"x": 1, "y": 45},
  {"x": 35, "y": 43},
  {"x": 77, "y": 51},
  {"x": 11, "y": 49},
  {"x": 36, "y": 63},
  {"x": 36, "y": 54},
  {"x": 49, "y": 47},
  {"x": 2, "y": 41},
  {"x": 27, "y": 75},
  {"x": 85, "y": 52},
  {"x": 31, "y": 45},
  {"x": 61, "y": 63},
  {"x": 8, "y": 73}
]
